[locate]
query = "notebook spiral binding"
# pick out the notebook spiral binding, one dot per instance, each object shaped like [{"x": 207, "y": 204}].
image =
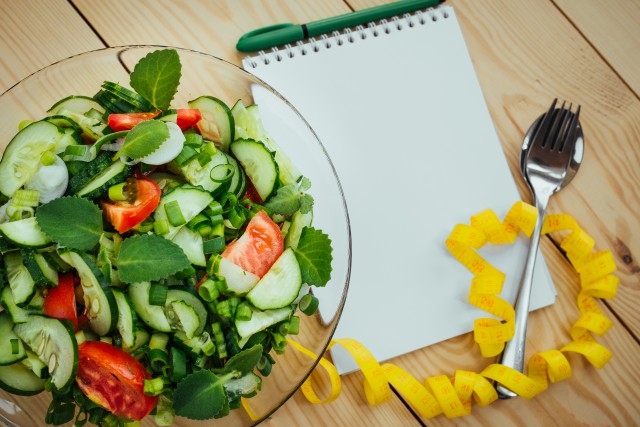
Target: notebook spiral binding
[{"x": 339, "y": 38}]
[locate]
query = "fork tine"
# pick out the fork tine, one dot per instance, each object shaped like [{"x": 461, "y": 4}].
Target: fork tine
[
  {"x": 543, "y": 127},
  {"x": 556, "y": 127},
  {"x": 569, "y": 141}
]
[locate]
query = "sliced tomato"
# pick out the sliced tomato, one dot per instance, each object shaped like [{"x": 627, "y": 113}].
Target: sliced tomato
[
  {"x": 252, "y": 194},
  {"x": 144, "y": 199},
  {"x": 188, "y": 117},
  {"x": 259, "y": 247},
  {"x": 60, "y": 301},
  {"x": 113, "y": 379},
  {"x": 127, "y": 121}
]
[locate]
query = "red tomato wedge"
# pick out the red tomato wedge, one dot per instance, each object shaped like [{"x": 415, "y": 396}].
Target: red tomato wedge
[
  {"x": 60, "y": 301},
  {"x": 127, "y": 121},
  {"x": 113, "y": 379},
  {"x": 188, "y": 117},
  {"x": 144, "y": 199},
  {"x": 259, "y": 247}
]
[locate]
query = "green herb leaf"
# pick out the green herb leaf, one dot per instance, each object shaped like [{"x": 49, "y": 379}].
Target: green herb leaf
[
  {"x": 156, "y": 77},
  {"x": 286, "y": 200},
  {"x": 314, "y": 256},
  {"x": 305, "y": 184},
  {"x": 245, "y": 361},
  {"x": 200, "y": 396},
  {"x": 306, "y": 203},
  {"x": 73, "y": 222},
  {"x": 145, "y": 138},
  {"x": 149, "y": 257}
]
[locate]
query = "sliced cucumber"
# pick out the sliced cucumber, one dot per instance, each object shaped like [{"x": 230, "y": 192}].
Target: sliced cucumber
[
  {"x": 192, "y": 245},
  {"x": 21, "y": 283},
  {"x": 20, "y": 380},
  {"x": 126, "y": 319},
  {"x": 40, "y": 271},
  {"x": 11, "y": 348},
  {"x": 280, "y": 286},
  {"x": 54, "y": 342},
  {"x": 259, "y": 164},
  {"x": 204, "y": 175},
  {"x": 101, "y": 307},
  {"x": 261, "y": 320},
  {"x": 62, "y": 122},
  {"x": 238, "y": 185},
  {"x": 299, "y": 221},
  {"x": 113, "y": 174},
  {"x": 24, "y": 232},
  {"x": 152, "y": 315},
  {"x": 191, "y": 299},
  {"x": 217, "y": 122},
  {"x": 77, "y": 104},
  {"x": 191, "y": 200},
  {"x": 18, "y": 314},
  {"x": 70, "y": 137},
  {"x": 237, "y": 280},
  {"x": 21, "y": 158},
  {"x": 187, "y": 317}
]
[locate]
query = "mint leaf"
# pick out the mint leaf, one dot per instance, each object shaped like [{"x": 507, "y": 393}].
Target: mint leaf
[
  {"x": 314, "y": 256},
  {"x": 245, "y": 361},
  {"x": 156, "y": 77},
  {"x": 73, "y": 222},
  {"x": 306, "y": 203},
  {"x": 149, "y": 257},
  {"x": 200, "y": 396},
  {"x": 286, "y": 200},
  {"x": 145, "y": 138}
]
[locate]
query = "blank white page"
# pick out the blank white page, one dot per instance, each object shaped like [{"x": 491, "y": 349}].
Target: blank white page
[{"x": 403, "y": 118}]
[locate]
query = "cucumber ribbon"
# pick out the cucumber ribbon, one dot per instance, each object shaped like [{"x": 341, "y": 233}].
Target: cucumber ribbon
[{"x": 453, "y": 396}]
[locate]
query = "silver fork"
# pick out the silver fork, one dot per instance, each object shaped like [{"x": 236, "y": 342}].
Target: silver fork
[{"x": 546, "y": 171}]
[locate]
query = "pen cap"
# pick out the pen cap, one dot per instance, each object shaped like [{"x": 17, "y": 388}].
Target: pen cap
[{"x": 274, "y": 35}]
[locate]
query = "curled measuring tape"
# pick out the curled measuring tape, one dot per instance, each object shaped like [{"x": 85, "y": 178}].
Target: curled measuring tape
[{"x": 452, "y": 396}]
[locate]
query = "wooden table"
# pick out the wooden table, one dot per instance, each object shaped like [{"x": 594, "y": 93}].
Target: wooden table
[{"x": 525, "y": 52}]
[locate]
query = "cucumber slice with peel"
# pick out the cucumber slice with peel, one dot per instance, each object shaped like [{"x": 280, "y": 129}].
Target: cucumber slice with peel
[
  {"x": 8, "y": 354},
  {"x": 54, "y": 342},
  {"x": 261, "y": 320},
  {"x": 259, "y": 164},
  {"x": 280, "y": 286},
  {"x": 20, "y": 380},
  {"x": 24, "y": 232},
  {"x": 21, "y": 159},
  {"x": 217, "y": 123}
]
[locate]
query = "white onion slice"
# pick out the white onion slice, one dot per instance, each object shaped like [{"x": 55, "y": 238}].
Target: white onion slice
[
  {"x": 51, "y": 181},
  {"x": 169, "y": 149}
]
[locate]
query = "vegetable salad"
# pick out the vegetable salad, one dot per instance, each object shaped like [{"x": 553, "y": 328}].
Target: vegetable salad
[{"x": 151, "y": 257}]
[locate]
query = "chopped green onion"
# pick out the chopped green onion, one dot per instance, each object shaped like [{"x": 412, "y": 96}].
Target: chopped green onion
[
  {"x": 158, "y": 294},
  {"x": 158, "y": 358},
  {"x": 221, "y": 173},
  {"x": 283, "y": 328},
  {"x": 197, "y": 221},
  {"x": 308, "y": 304},
  {"x": 228, "y": 201},
  {"x": 218, "y": 230},
  {"x": 153, "y": 387},
  {"x": 178, "y": 364},
  {"x": 26, "y": 198},
  {"x": 279, "y": 342},
  {"x": 243, "y": 311},
  {"x": 164, "y": 411},
  {"x": 81, "y": 153},
  {"x": 208, "y": 290},
  {"x": 214, "y": 245},
  {"x": 15, "y": 345},
  {"x": 118, "y": 192},
  {"x": 203, "y": 158},
  {"x": 224, "y": 309},
  {"x": 236, "y": 217},
  {"x": 214, "y": 208},
  {"x": 216, "y": 219},
  {"x": 159, "y": 340},
  {"x": 209, "y": 148},
  {"x": 48, "y": 158},
  {"x": 161, "y": 227},
  {"x": 264, "y": 366},
  {"x": 174, "y": 213},
  {"x": 219, "y": 338},
  {"x": 193, "y": 139},
  {"x": 294, "y": 325},
  {"x": 145, "y": 226},
  {"x": 185, "y": 155}
]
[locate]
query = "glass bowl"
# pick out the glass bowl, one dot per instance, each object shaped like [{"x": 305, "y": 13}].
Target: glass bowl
[{"x": 204, "y": 74}]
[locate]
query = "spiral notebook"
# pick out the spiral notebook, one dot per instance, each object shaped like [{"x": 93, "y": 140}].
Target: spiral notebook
[{"x": 398, "y": 107}]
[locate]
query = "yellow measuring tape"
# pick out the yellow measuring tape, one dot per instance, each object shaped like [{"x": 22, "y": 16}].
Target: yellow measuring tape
[{"x": 453, "y": 395}]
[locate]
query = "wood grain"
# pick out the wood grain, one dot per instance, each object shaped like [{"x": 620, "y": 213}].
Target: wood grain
[
  {"x": 33, "y": 36},
  {"x": 612, "y": 29}
]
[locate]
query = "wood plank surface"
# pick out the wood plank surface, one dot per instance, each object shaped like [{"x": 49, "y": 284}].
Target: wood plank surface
[
  {"x": 612, "y": 29},
  {"x": 587, "y": 53}
]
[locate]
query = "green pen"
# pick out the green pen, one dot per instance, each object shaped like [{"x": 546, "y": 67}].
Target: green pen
[{"x": 280, "y": 34}]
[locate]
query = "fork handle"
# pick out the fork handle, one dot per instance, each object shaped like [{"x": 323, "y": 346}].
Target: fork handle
[{"x": 513, "y": 355}]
